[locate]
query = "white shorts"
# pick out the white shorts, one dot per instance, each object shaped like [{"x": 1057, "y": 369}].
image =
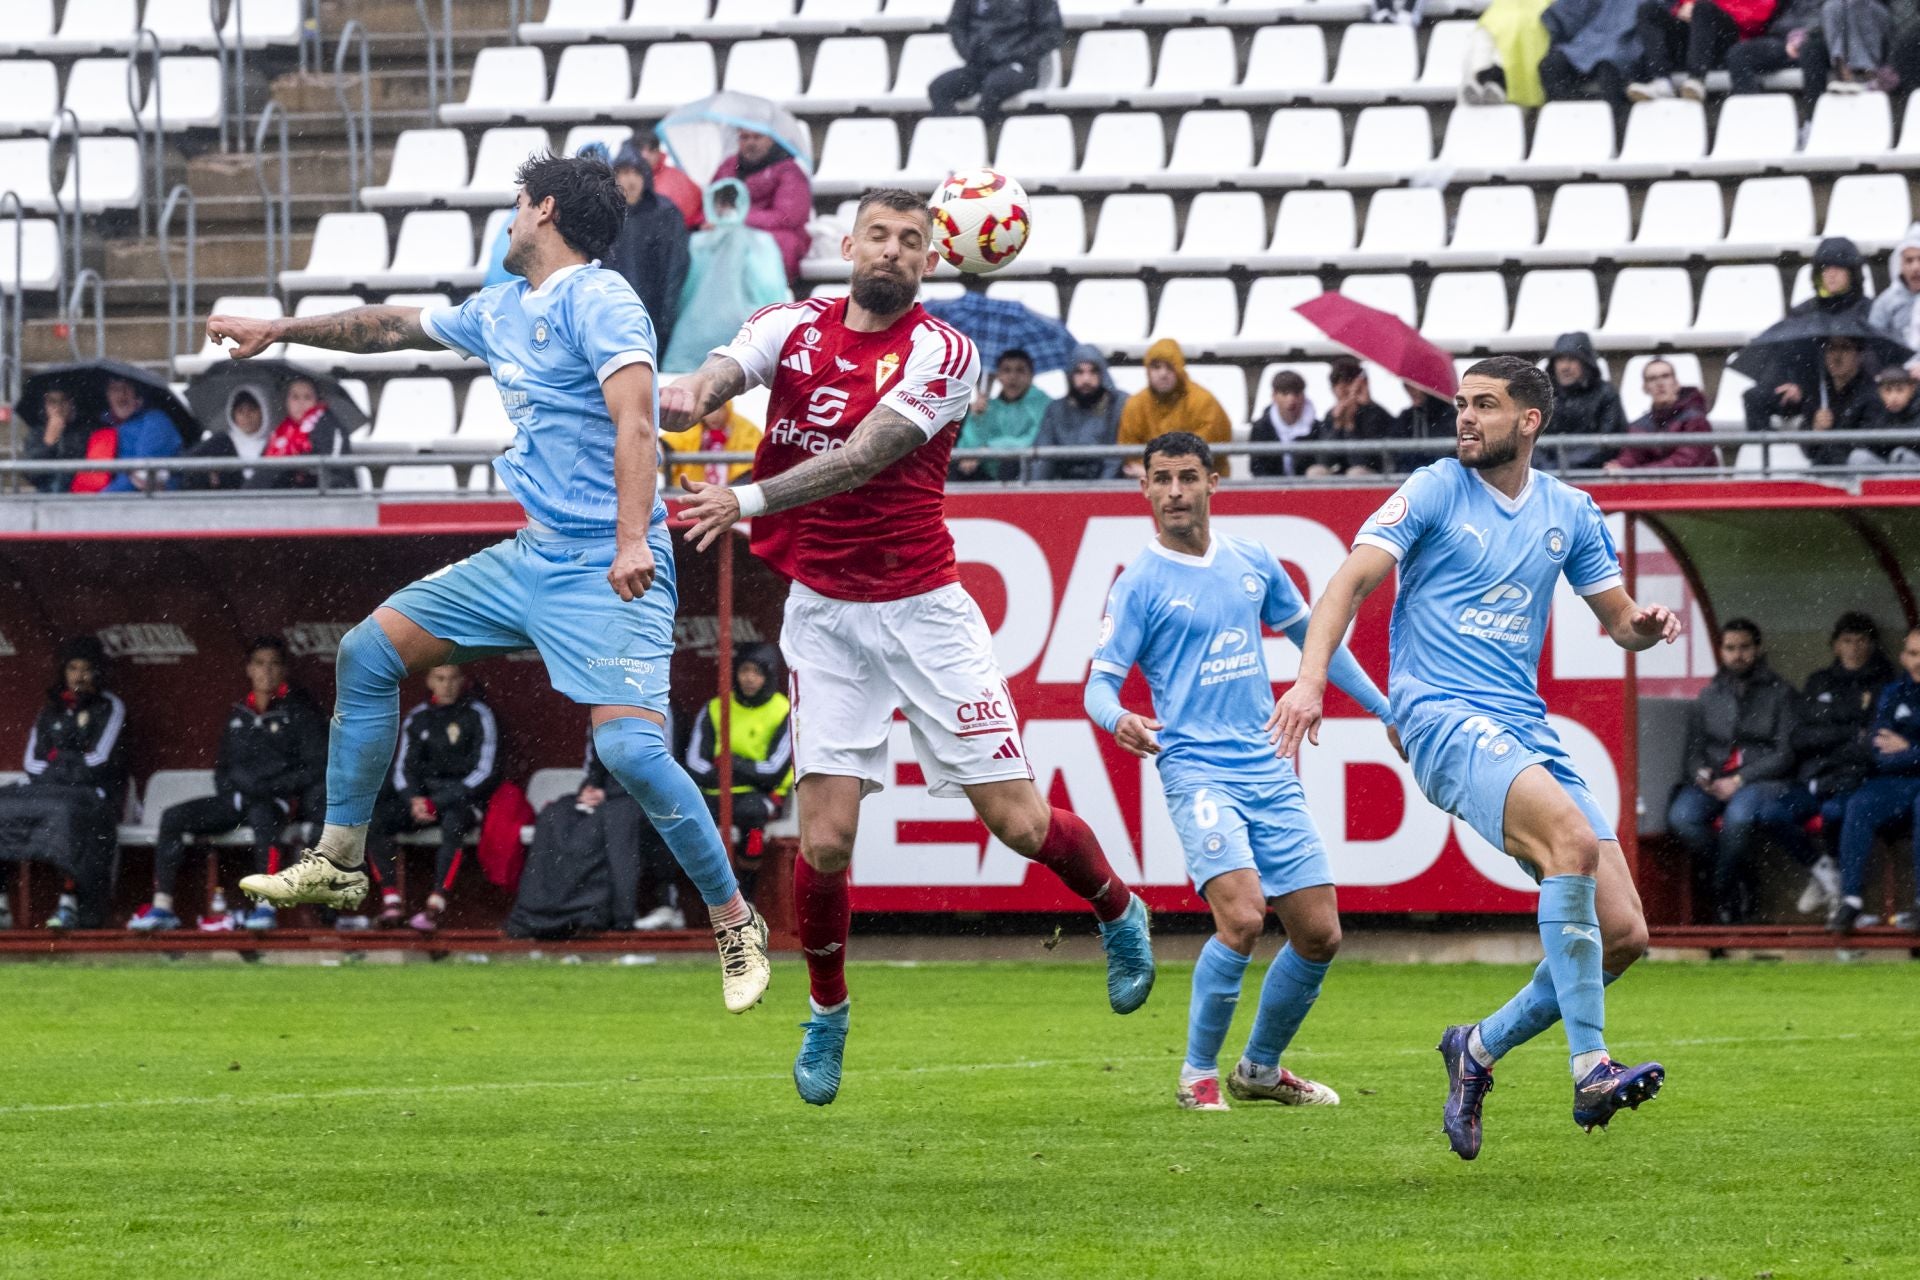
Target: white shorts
[{"x": 852, "y": 664}]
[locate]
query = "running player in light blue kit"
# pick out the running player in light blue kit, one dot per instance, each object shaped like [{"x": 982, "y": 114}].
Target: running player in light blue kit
[
  {"x": 1189, "y": 612},
  {"x": 589, "y": 582},
  {"x": 1480, "y": 541}
]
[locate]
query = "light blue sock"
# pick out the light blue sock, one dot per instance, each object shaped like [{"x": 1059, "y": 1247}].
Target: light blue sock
[
  {"x": 1216, "y": 989},
  {"x": 1292, "y": 985},
  {"x": 1527, "y": 1014},
  {"x": 366, "y": 723},
  {"x": 634, "y": 749},
  {"x": 1570, "y": 932}
]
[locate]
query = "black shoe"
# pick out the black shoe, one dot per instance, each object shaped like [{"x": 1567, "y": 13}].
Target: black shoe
[{"x": 1843, "y": 917}]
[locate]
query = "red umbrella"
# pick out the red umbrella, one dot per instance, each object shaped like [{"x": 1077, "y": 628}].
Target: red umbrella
[{"x": 1385, "y": 339}]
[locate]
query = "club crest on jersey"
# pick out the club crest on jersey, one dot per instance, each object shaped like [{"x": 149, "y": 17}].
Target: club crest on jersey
[
  {"x": 1250, "y": 585},
  {"x": 1106, "y": 631},
  {"x": 1556, "y": 544},
  {"x": 540, "y": 335},
  {"x": 883, "y": 369},
  {"x": 809, "y": 337}
]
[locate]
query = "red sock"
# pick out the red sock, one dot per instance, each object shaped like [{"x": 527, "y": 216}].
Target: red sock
[
  {"x": 825, "y": 911},
  {"x": 1071, "y": 852}
]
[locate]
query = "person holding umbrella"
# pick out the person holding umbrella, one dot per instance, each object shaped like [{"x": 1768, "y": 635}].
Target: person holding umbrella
[
  {"x": 129, "y": 428},
  {"x": 245, "y": 439},
  {"x": 1788, "y": 361},
  {"x": 57, "y": 439},
  {"x": 779, "y": 192}
]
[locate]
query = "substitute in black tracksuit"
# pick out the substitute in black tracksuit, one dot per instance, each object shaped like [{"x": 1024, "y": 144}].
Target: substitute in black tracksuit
[
  {"x": 67, "y": 811},
  {"x": 272, "y": 768},
  {"x": 1003, "y": 45},
  {"x": 448, "y": 764}
]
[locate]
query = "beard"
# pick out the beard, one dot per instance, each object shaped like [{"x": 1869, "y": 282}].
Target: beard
[
  {"x": 1493, "y": 455},
  {"x": 515, "y": 261},
  {"x": 883, "y": 295}
]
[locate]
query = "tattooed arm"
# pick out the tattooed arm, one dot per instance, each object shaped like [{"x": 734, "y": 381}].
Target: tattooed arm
[
  {"x": 698, "y": 394},
  {"x": 882, "y": 439},
  {"x": 361, "y": 329}
]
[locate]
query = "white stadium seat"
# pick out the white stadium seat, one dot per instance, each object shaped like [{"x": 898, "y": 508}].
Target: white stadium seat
[
  {"x": 1664, "y": 132},
  {"x": 94, "y": 26},
  {"x": 1446, "y": 56},
  {"x": 1284, "y": 59},
  {"x": 1376, "y": 57},
  {"x": 1391, "y": 140},
  {"x": 39, "y": 249},
  {"x": 1484, "y": 139},
  {"x": 97, "y": 94},
  {"x": 1193, "y": 63},
  {"x": 943, "y": 145},
  {"x": 1125, "y": 144},
  {"x": 1271, "y": 322},
  {"x": 922, "y": 58},
  {"x": 1228, "y": 383},
  {"x": 610, "y": 136},
  {"x": 1134, "y": 228},
  {"x": 29, "y": 25},
  {"x": 506, "y": 81},
  {"x": 672, "y": 74},
  {"x": 1465, "y": 308},
  {"x": 1108, "y": 67},
  {"x": 413, "y": 414},
  {"x": 1314, "y": 224},
  {"x": 348, "y": 249},
  {"x": 856, "y": 152},
  {"x": 31, "y": 95},
  {"x": 847, "y": 70},
  {"x": 1872, "y": 209},
  {"x": 1550, "y": 303},
  {"x": 1495, "y": 222},
  {"x": 1199, "y": 312},
  {"x": 1209, "y": 143},
  {"x": 1229, "y": 225},
  {"x": 1571, "y": 136},
  {"x": 1756, "y": 126},
  {"x": 1770, "y": 214},
  {"x": 751, "y": 13},
  {"x": 1648, "y": 306},
  {"x": 260, "y": 308},
  {"x": 181, "y": 24},
  {"x": 110, "y": 171},
  {"x": 428, "y": 478},
  {"x": 428, "y": 165},
  {"x": 1392, "y": 294},
  {"x": 765, "y": 68},
  {"x": 1108, "y": 313},
  {"x": 483, "y": 422},
  {"x": 1680, "y": 217},
  {"x": 1405, "y": 223},
  {"x": 1039, "y": 297},
  {"x": 1589, "y": 218},
  {"x": 1737, "y": 302},
  {"x": 166, "y": 788},
  {"x": 568, "y": 21},
  {"x": 1033, "y": 145},
  {"x": 589, "y": 80},
  {"x": 191, "y": 95},
  {"x": 1305, "y": 142},
  {"x": 1848, "y": 128},
  {"x": 264, "y": 24},
  {"x": 435, "y": 247},
  {"x": 502, "y": 151},
  {"x": 1059, "y": 230},
  {"x": 27, "y": 162}
]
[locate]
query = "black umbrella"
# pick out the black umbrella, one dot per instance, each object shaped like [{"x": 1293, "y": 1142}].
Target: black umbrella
[
  {"x": 87, "y": 384},
  {"x": 1790, "y": 350},
  {"x": 210, "y": 392}
]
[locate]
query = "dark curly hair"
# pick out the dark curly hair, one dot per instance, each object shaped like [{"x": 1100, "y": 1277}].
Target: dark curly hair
[{"x": 588, "y": 206}]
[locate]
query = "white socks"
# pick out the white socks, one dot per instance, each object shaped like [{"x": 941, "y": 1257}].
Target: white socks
[
  {"x": 1257, "y": 1073},
  {"x": 1477, "y": 1048},
  {"x": 1586, "y": 1062},
  {"x": 827, "y": 1010},
  {"x": 163, "y": 902},
  {"x": 1188, "y": 1075},
  {"x": 343, "y": 846},
  {"x": 731, "y": 913}
]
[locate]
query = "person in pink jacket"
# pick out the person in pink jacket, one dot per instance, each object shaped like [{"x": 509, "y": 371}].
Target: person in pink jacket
[
  {"x": 781, "y": 195},
  {"x": 1676, "y": 410}
]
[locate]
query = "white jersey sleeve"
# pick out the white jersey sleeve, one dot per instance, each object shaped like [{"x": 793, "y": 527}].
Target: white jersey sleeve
[
  {"x": 941, "y": 377},
  {"x": 756, "y": 348}
]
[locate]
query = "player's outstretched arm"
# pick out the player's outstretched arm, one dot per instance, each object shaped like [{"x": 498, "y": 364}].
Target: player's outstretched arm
[
  {"x": 629, "y": 395},
  {"x": 361, "y": 329},
  {"x": 1134, "y": 732},
  {"x": 882, "y": 439},
  {"x": 1297, "y": 715},
  {"x": 693, "y": 397},
  {"x": 1634, "y": 627}
]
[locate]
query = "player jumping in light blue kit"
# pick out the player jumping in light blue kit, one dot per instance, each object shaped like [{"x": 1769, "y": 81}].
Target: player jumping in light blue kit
[
  {"x": 1189, "y": 612},
  {"x": 589, "y": 582},
  {"x": 1480, "y": 541}
]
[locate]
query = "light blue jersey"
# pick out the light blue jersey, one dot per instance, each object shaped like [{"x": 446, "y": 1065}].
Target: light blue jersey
[{"x": 550, "y": 349}]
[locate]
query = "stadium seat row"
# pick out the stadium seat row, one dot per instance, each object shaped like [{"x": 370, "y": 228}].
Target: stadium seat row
[
  {"x": 107, "y": 173},
  {"x": 112, "y": 26},
  {"x": 435, "y": 249},
  {"x": 190, "y": 95},
  {"x": 37, "y": 246}
]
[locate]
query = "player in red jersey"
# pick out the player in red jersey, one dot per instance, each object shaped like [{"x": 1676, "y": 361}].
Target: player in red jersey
[{"x": 868, "y": 393}]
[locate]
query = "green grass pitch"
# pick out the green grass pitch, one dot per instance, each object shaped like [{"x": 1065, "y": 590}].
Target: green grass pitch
[{"x": 527, "y": 1119}]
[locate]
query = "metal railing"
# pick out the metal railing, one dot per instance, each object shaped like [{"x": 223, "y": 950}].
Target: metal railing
[
  {"x": 151, "y": 140},
  {"x": 276, "y": 206},
  {"x": 179, "y": 319},
  {"x": 237, "y": 80},
  {"x": 67, "y": 124},
  {"x": 359, "y": 130},
  {"x": 518, "y": 11},
  {"x": 439, "y": 54},
  {"x": 13, "y": 314},
  {"x": 75, "y": 299}
]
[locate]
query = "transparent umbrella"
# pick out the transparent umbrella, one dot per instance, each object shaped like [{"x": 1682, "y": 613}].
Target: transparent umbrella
[{"x": 701, "y": 134}]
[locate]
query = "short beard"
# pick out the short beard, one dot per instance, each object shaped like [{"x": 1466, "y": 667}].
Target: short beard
[
  {"x": 515, "y": 261},
  {"x": 882, "y": 296},
  {"x": 1492, "y": 455}
]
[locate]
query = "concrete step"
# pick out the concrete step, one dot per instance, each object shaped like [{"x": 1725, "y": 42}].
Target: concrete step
[
  {"x": 233, "y": 257},
  {"x": 135, "y": 339},
  {"x": 399, "y": 20}
]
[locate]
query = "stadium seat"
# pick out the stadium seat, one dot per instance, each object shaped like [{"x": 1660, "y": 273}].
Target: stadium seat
[
  {"x": 1664, "y": 133},
  {"x": 166, "y": 788},
  {"x": 847, "y": 71},
  {"x": 1647, "y": 308},
  {"x": 501, "y": 153},
  {"x": 1134, "y": 228},
  {"x": 1631, "y": 386},
  {"x": 191, "y": 95},
  {"x": 922, "y": 58},
  {"x": 660, "y": 19},
  {"x": 29, "y": 25},
  {"x": 1403, "y": 224},
  {"x": 1312, "y": 225},
  {"x": 1490, "y": 140},
  {"x": 181, "y": 24},
  {"x": 1728, "y": 413},
  {"x": 1770, "y": 215},
  {"x": 1108, "y": 313},
  {"x": 1570, "y": 139},
  {"x": 1210, "y": 143},
  {"x": 1228, "y": 382},
  {"x": 856, "y": 153},
  {"x": 1550, "y": 303},
  {"x": 1392, "y": 294},
  {"x": 414, "y": 413},
  {"x": 31, "y": 97},
  {"x": 1224, "y": 229},
  {"x": 765, "y": 68},
  {"x": 1271, "y": 323},
  {"x": 96, "y": 93},
  {"x": 1754, "y": 128},
  {"x": 1494, "y": 224},
  {"x": 1679, "y": 218},
  {"x": 425, "y": 478},
  {"x": 39, "y": 250},
  {"x": 1848, "y": 130},
  {"x": 111, "y": 171},
  {"x": 943, "y": 145},
  {"x": 435, "y": 247},
  {"x": 483, "y": 422},
  {"x": 1193, "y": 63},
  {"x": 839, "y": 12},
  {"x": 672, "y": 74},
  {"x": 751, "y": 13},
  {"x": 1201, "y": 313},
  {"x": 506, "y": 81},
  {"x": 571, "y": 21},
  {"x": 1391, "y": 140},
  {"x": 1445, "y": 62},
  {"x": 27, "y": 162},
  {"x": 548, "y": 785},
  {"x": 264, "y": 24},
  {"x": 1304, "y": 142},
  {"x": 590, "y": 81},
  {"x": 1873, "y": 209},
  {"x": 1909, "y": 144},
  {"x": 1375, "y": 59},
  {"x": 94, "y": 26},
  {"x": 1737, "y": 302},
  {"x": 1059, "y": 232},
  {"x": 1465, "y": 309},
  {"x": 1035, "y": 146},
  {"x": 348, "y": 249},
  {"x": 428, "y": 165},
  {"x": 1037, "y": 296},
  {"x": 1123, "y": 145},
  {"x": 1109, "y": 67},
  {"x": 1283, "y": 60},
  {"x": 1587, "y": 220}
]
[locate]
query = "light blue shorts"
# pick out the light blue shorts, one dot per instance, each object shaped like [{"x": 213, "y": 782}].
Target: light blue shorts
[
  {"x": 1466, "y": 760},
  {"x": 1264, "y": 827},
  {"x": 548, "y": 591}
]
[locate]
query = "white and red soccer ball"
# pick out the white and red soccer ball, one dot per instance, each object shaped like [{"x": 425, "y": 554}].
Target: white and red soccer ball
[{"x": 980, "y": 220}]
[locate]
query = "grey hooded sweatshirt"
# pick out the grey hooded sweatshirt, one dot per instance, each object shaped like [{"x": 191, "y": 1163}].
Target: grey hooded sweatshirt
[{"x": 1069, "y": 422}]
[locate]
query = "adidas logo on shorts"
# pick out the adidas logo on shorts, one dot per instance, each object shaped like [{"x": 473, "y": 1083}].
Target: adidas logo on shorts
[{"x": 1009, "y": 750}]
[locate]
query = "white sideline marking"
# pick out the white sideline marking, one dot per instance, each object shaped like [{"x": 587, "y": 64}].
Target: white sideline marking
[{"x": 611, "y": 1082}]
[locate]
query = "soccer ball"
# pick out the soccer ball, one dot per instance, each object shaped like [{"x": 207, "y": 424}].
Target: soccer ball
[{"x": 980, "y": 220}]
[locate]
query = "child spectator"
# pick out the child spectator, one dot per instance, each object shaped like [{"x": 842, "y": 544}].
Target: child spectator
[
  {"x": 1290, "y": 419},
  {"x": 1897, "y": 410},
  {"x": 1675, "y": 410},
  {"x": 272, "y": 765},
  {"x": 244, "y": 438},
  {"x": 1009, "y": 420},
  {"x": 308, "y": 430}
]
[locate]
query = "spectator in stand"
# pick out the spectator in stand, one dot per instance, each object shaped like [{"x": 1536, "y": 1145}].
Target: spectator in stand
[
  {"x": 1426, "y": 417},
  {"x": 56, "y": 440},
  {"x": 735, "y": 271},
  {"x": 1009, "y": 420},
  {"x": 1895, "y": 409},
  {"x": 1892, "y": 312},
  {"x": 1503, "y": 61},
  {"x": 308, "y": 430},
  {"x": 1792, "y": 39},
  {"x": 448, "y": 764},
  {"x": 1089, "y": 414},
  {"x": 244, "y": 439},
  {"x": 1290, "y": 419},
  {"x": 651, "y": 248},
  {"x": 68, "y": 809},
  {"x": 779, "y": 192},
  {"x": 680, "y": 190},
  {"x": 1830, "y": 740},
  {"x": 1846, "y": 399},
  {"x": 1739, "y": 758},
  {"x": 1003, "y": 45},
  {"x": 1353, "y": 419},
  {"x": 1593, "y": 48},
  {"x": 272, "y": 766},
  {"x": 1675, "y": 410},
  {"x": 1584, "y": 402},
  {"x": 722, "y": 431},
  {"x": 1889, "y": 797},
  {"x": 1171, "y": 401},
  {"x": 1837, "y": 271},
  {"x": 1859, "y": 35},
  {"x": 761, "y": 734},
  {"x": 128, "y": 429},
  {"x": 1681, "y": 41}
]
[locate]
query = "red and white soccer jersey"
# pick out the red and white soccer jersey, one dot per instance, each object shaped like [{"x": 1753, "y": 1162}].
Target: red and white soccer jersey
[{"x": 877, "y": 620}]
